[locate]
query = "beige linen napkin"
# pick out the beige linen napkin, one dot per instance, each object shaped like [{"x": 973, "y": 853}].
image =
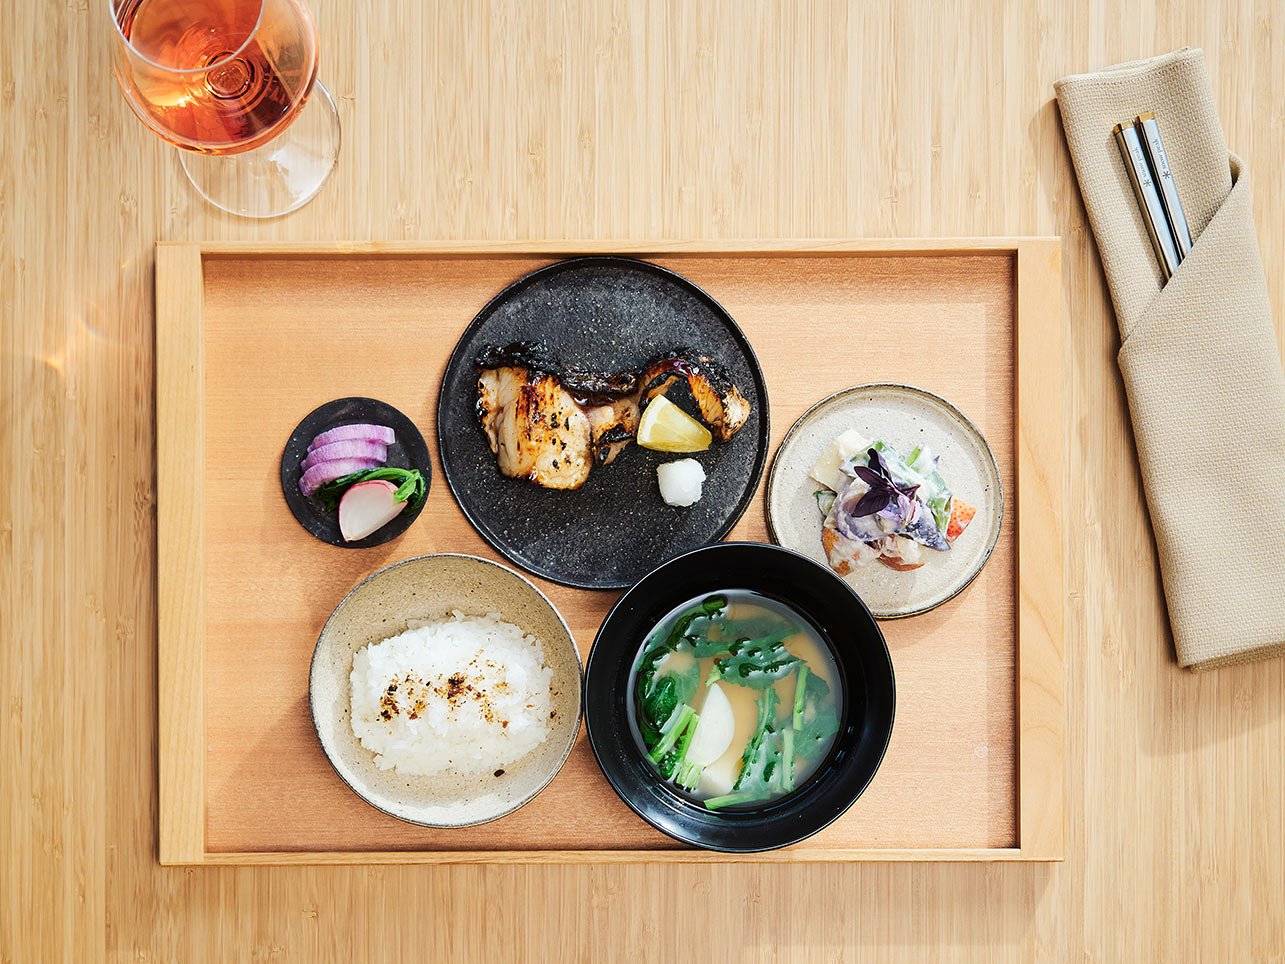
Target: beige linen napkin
[{"x": 1199, "y": 358}]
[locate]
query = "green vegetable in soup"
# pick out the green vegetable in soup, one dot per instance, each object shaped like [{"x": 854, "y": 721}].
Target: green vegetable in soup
[
  {"x": 736, "y": 637},
  {"x": 761, "y": 761},
  {"x": 787, "y": 759},
  {"x": 815, "y": 719},
  {"x": 695, "y": 623},
  {"x": 732, "y": 800},
  {"x": 722, "y": 633},
  {"x": 757, "y": 663},
  {"x": 679, "y": 725},
  {"x": 658, "y": 694},
  {"x": 800, "y": 694},
  {"x": 763, "y": 623},
  {"x": 670, "y": 755}
]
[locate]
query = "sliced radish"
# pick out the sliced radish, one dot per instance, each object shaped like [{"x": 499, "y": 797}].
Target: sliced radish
[
  {"x": 318, "y": 475},
  {"x": 714, "y": 730},
  {"x": 368, "y": 506},
  {"x": 349, "y": 448},
  {"x": 372, "y": 433}
]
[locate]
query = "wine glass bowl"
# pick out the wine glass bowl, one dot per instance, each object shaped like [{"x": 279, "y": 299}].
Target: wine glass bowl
[{"x": 231, "y": 83}]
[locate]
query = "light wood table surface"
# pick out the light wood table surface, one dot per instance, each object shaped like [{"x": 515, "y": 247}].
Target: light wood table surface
[{"x": 610, "y": 120}]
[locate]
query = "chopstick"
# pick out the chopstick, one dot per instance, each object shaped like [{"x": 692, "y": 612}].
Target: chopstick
[
  {"x": 1149, "y": 129},
  {"x": 1155, "y": 190},
  {"x": 1148, "y": 196}
]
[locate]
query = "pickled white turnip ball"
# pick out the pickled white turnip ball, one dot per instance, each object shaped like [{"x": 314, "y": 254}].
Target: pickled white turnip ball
[{"x": 680, "y": 482}]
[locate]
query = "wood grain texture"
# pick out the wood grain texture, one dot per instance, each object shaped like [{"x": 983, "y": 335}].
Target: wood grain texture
[
  {"x": 1041, "y": 531},
  {"x": 180, "y": 552},
  {"x": 271, "y": 329},
  {"x": 571, "y": 118}
]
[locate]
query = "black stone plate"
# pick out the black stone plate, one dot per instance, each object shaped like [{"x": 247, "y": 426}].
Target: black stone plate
[
  {"x": 610, "y": 314},
  {"x": 409, "y": 451}
]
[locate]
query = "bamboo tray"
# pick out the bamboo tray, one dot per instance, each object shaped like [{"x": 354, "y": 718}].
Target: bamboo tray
[{"x": 250, "y": 337}]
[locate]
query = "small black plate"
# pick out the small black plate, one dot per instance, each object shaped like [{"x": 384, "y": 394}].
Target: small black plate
[
  {"x": 608, "y": 314},
  {"x": 854, "y": 639},
  {"x": 409, "y": 451}
]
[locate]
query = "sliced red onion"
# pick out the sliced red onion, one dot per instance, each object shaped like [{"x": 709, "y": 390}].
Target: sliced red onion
[
  {"x": 371, "y": 433},
  {"x": 349, "y": 448},
  {"x": 323, "y": 472}
]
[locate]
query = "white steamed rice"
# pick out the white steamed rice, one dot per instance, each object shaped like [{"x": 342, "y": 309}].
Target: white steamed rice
[{"x": 460, "y": 694}]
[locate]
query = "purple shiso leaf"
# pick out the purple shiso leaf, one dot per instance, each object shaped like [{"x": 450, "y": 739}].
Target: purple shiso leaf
[
  {"x": 875, "y": 499},
  {"x": 868, "y": 476}
]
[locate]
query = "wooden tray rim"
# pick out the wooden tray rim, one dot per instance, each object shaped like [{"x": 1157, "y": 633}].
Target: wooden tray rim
[{"x": 1039, "y": 454}]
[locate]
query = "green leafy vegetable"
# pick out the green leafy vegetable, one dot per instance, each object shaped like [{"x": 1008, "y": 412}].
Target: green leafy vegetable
[
  {"x": 817, "y": 721},
  {"x": 757, "y": 663},
  {"x": 688, "y": 774},
  {"x": 411, "y": 486},
  {"x": 710, "y": 647},
  {"x": 761, "y": 760},
  {"x": 673, "y": 731},
  {"x": 656, "y": 705},
  {"x": 673, "y": 763},
  {"x": 787, "y": 759},
  {"x": 733, "y": 800},
  {"x": 658, "y": 694},
  {"x": 800, "y": 691},
  {"x": 765, "y": 623}
]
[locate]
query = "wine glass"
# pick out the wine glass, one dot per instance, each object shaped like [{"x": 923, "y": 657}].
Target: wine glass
[{"x": 233, "y": 83}]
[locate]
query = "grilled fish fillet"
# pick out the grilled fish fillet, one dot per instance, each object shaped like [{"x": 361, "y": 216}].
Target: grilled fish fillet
[
  {"x": 535, "y": 427},
  {"x": 550, "y": 424}
]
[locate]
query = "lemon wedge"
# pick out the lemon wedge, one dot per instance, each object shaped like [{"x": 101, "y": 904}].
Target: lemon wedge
[{"x": 667, "y": 428}]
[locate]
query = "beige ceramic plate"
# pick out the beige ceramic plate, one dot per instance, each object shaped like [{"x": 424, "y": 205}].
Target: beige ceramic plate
[
  {"x": 427, "y": 587},
  {"x": 904, "y": 417}
]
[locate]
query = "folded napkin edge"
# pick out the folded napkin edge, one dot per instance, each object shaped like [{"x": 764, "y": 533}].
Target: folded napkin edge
[
  {"x": 1238, "y": 201},
  {"x": 1128, "y": 70},
  {"x": 1254, "y": 655}
]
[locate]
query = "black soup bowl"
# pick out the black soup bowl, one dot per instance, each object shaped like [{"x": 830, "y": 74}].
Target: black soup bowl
[{"x": 846, "y": 626}]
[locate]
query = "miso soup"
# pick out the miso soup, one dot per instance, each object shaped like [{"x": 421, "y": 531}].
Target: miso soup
[{"x": 735, "y": 699}]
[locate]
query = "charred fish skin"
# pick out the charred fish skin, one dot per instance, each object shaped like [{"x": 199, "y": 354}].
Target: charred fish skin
[
  {"x": 550, "y": 422},
  {"x": 721, "y": 404},
  {"x": 591, "y": 386}
]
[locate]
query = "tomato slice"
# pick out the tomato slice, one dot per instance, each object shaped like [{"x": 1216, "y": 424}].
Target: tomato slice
[{"x": 961, "y": 513}]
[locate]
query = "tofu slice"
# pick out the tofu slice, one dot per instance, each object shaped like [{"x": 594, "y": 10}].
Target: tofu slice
[{"x": 826, "y": 471}]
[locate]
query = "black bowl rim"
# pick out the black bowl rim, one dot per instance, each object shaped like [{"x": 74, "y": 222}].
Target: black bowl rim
[
  {"x": 789, "y": 839},
  {"x": 738, "y": 334}
]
